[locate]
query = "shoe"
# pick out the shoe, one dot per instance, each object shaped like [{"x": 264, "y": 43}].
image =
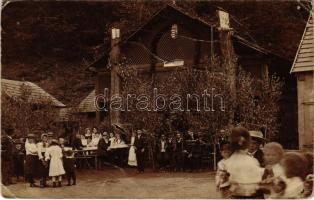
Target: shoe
[
  {"x": 33, "y": 185},
  {"x": 41, "y": 184},
  {"x": 59, "y": 184},
  {"x": 69, "y": 184}
]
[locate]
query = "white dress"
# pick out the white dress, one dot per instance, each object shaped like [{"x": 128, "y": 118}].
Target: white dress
[
  {"x": 54, "y": 153},
  {"x": 132, "y": 156}
]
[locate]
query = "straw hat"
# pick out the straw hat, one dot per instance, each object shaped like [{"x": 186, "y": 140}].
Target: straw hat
[
  {"x": 257, "y": 135},
  {"x": 30, "y": 135}
]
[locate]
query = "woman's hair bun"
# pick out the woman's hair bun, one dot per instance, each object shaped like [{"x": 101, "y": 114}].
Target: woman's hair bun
[{"x": 239, "y": 138}]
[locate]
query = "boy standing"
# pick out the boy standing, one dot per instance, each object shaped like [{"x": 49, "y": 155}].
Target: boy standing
[{"x": 69, "y": 167}]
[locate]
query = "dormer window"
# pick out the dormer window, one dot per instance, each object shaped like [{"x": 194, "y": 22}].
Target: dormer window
[{"x": 174, "y": 31}]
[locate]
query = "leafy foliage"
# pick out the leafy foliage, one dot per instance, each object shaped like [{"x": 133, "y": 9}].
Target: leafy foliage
[
  {"x": 256, "y": 104},
  {"x": 25, "y": 117}
]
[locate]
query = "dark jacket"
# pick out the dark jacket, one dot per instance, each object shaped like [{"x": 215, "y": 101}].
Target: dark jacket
[
  {"x": 69, "y": 164},
  {"x": 77, "y": 144},
  {"x": 102, "y": 147},
  {"x": 179, "y": 146},
  {"x": 259, "y": 155},
  {"x": 7, "y": 148},
  {"x": 158, "y": 145},
  {"x": 139, "y": 143}
]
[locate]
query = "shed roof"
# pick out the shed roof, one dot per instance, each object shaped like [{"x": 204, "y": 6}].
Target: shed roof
[
  {"x": 14, "y": 89},
  {"x": 88, "y": 105},
  {"x": 304, "y": 59}
]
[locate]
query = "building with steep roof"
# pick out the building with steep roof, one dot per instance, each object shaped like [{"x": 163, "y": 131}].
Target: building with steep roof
[
  {"x": 173, "y": 39},
  {"x": 35, "y": 94},
  {"x": 303, "y": 68}
]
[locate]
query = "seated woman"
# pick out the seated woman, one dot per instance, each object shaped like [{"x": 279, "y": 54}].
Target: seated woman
[
  {"x": 117, "y": 142},
  {"x": 118, "y": 150}
]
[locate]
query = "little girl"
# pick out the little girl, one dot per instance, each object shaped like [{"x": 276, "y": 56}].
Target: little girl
[
  {"x": 221, "y": 177},
  {"x": 56, "y": 170},
  {"x": 272, "y": 183},
  {"x": 294, "y": 171},
  {"x": 273, "y": 153}
]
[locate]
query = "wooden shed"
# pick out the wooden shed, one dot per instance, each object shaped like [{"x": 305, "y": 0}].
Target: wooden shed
[{"x": 303, "y": 68}]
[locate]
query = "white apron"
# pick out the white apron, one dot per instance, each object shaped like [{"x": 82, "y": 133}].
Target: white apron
[
  {"x": 132, "y": 156},
  {"x": 54, "y": 153}
]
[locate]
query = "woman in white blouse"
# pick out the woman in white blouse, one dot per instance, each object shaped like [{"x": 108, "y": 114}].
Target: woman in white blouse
[{"x": 31, "y": 159}]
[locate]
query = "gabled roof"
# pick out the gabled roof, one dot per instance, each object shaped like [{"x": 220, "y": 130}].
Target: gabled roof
[
  {"x": 14, "y": 89},
  {"x": 88, "y": 105},
  {"x": 304, "y": 59},
  {"x": 172, "y": 8}
]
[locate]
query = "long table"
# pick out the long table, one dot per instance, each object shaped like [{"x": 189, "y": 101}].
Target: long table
[{"x": 85, "y": 155}]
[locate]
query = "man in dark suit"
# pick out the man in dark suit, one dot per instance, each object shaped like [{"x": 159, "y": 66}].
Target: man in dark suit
[
  {"x": 77, "y": 142},
  {"x": 180, "y": 152},
  {"x": 254, "y": 149},
  {"x": 140, "y": 147},
  {"x": 162, "y": 156},
  {"x": 102, "y": 148}
]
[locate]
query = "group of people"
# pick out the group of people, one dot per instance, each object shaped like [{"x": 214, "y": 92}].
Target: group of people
[
  {"x": 43, "y": 159},
  {"x": 54, "y": 160},
  {"x": 177, "y": 152},
  {"x": 246, "y": 171}
]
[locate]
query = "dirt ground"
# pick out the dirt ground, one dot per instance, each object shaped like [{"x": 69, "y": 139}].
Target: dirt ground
[{"x": 124, "y": 183}]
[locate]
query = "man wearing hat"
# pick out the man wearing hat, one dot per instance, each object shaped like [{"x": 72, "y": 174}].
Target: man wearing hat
[
  {"x": 140, "y": 146},
  {"x": 43, "y": 165},
  {"x": 31, "y": 159},
  {"x": 254, "y": 148}
]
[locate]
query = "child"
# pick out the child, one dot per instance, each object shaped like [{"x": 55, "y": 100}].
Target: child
[
  {"x": 272, "y": 183},
  {"x": 69, "y": 166},
  {"x": 294, "y": 168},
  {"x": 56, "y": 170},
  {"x": 18, "y": 158},
  {"x": 221, "y": 178},
  {"x": 273, "y": 153}
]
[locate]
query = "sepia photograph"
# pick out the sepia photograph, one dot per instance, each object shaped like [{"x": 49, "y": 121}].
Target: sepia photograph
[{"x": 167, "y": 99}]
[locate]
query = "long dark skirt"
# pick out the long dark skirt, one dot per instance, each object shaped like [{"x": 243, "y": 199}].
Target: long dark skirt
[
  {"x": 30, "y": 167},
  {"x": 43, "y": 169}
]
